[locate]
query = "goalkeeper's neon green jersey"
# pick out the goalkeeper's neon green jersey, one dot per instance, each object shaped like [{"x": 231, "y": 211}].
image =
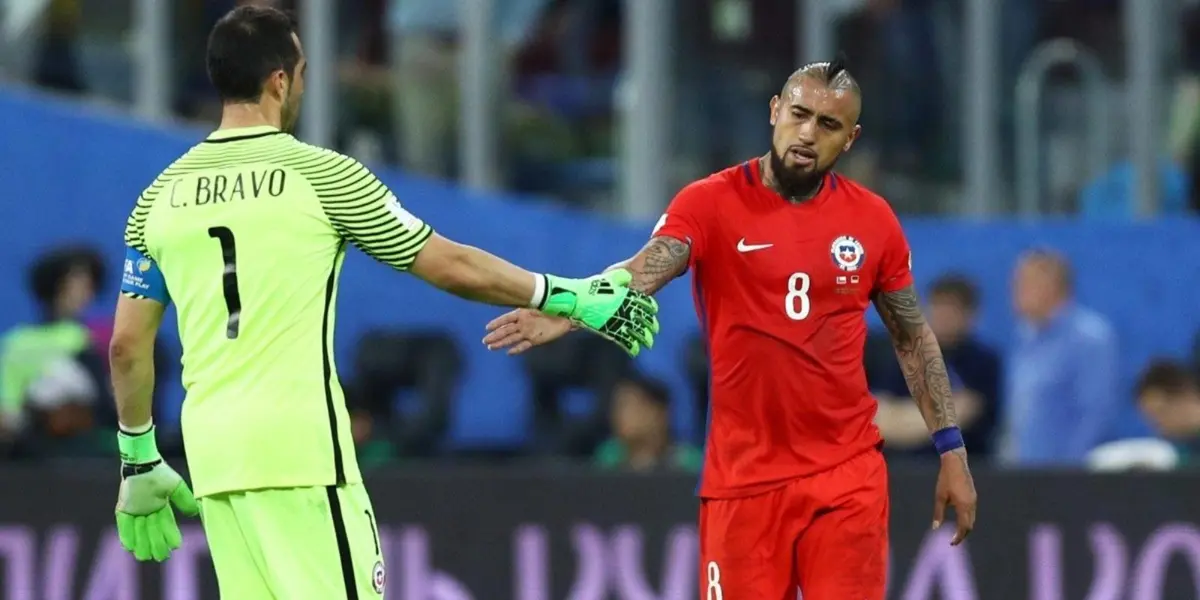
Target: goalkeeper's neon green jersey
[{"x": 248, "y": 230}]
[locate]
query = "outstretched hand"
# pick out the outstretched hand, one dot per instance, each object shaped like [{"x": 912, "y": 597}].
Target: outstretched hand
[{"x": 524, "y": 328}]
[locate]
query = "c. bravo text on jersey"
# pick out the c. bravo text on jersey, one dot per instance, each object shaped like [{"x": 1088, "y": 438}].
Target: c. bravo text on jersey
[{"x": 213, "y": 189}]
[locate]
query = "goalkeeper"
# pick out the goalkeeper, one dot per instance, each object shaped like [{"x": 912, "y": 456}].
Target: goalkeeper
[{"x": 246, "y": 234}]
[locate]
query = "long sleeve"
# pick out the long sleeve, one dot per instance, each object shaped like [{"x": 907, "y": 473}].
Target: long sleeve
[{"x": 1096, "y": 393}]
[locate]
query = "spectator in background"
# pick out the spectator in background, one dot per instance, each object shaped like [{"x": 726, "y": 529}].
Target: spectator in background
[
  {"x": 572, "y": 384},
  {"x": 195, "y": 97},
  {"x": 39, "y": 42},
  {"x": 974, "y": 376},
  {"x": 1168, "y": 393},
  {"x": 424, "y": 49},
  {"x": 1196, "y": 354},
  {"x": 57, "y": 65},
  {"x": 53, "y": 381},
  {"x": 953, "y": 308},
  {"x": 400, "y": 394},
  {"x": 1062, "y": 396},
  {"x": 1183, "y": 126},
  {"x": 642, "y": 436},
  {"x": 905, "y": 433}
]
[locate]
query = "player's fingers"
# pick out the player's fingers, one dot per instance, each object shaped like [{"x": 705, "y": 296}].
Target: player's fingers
[
  {"x": 501, "y": 332},
  {"x": 631, "y": 347},
  {"x": 505, "y": 340},
  {"x": 156, "y": 535},
  {"x": 641, "y": 319},
  {"x": 494, "y": 337},
  {"x": 184, "y": 500},
  {"x": 507, "y": 318},
  {"x": 654, "y": 325},
  {"x": 648, "y": 303},
  {"x": 519, "y": 348},
  {"x": 170, "y": 530},
  {"x": 642, "y": 334},
  {"x": 141, "y": 534},
  {"x": 961, "y": 532},
  {"x": 969, "y": 514},
  {"x": 966, "y": 521},
  {"x": 939, "y": 511},
  {"x": 648, "y": 338},
  {"x": 125, "y": 531}
]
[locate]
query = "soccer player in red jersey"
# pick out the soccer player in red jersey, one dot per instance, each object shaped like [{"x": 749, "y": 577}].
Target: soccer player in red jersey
[{"x": 785, "y": 257}]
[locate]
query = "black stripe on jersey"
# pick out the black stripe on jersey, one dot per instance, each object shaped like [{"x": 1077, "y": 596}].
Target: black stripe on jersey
[
  {"x": 749, "y": 174},
  {"x": 239, "y": 138},
  {"x": 343, "y": 542},
  {"x": 339, "y": 469}
]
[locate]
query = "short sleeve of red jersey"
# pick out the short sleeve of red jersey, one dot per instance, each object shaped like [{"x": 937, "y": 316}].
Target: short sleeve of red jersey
[
  {"x": 687, "y": 219},
  {"x": 895, "y": 264}
]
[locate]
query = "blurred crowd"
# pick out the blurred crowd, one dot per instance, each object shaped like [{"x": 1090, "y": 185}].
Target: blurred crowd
[
  {"x": 560, "y": 68},
  {"x": 1051, "y": 399}
]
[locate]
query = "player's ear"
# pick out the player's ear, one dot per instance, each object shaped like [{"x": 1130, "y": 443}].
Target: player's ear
[
  {"x": 854, "y": 133},
  {"x": 278, "y": 83},
  {"x": 774, "y": 108}
]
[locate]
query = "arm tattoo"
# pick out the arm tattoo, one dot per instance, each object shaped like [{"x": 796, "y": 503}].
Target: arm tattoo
[
  {"x": 920, "y": 356},
  {"x": 660, "y": 261}
]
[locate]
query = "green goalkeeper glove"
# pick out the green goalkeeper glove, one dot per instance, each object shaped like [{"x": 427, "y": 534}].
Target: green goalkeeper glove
[
  {"x": 145, "y": 520},
  {"x": 605, "y": 305}
]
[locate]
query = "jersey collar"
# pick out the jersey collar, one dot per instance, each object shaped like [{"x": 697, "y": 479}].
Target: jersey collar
[{"x": 241, "y": 133}]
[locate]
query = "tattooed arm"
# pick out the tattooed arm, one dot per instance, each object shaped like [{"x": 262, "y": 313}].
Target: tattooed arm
[
  {"x": 921, "y": 360},
  {"x": 919, "y": 355},
  {"x": 662, "y": 259}
]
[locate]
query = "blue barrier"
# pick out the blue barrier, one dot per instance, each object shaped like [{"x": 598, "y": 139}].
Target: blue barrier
[{"x": 71, "y": 173}]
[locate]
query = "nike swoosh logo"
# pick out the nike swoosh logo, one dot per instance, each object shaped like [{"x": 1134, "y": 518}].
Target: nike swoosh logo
[{"x": 744, "y": 247}]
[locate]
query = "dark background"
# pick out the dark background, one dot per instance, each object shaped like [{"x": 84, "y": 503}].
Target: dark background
[{"x": 455, "y": 534}]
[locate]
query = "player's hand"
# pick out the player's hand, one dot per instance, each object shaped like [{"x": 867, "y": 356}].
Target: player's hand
[
  {"x": 145, "y": 517},
  {"x": 522, "y": 329},
  {"x": 955, "y": 487},
  {"x": 604, "y": 304}
]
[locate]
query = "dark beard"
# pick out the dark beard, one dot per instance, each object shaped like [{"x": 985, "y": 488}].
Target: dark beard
[{"x": 795, "y": 185}]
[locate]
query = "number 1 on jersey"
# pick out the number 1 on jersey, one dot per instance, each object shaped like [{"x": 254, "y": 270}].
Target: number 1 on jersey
[
  {"x": 796, "y": 302},
  {"x": 229, "y": 282}
]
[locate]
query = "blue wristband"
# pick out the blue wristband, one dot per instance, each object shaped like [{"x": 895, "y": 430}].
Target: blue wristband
[{"x": 948, "y": 439}]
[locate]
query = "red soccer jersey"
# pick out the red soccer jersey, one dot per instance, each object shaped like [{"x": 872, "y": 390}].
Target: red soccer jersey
[{"x": 781, "y": 290}]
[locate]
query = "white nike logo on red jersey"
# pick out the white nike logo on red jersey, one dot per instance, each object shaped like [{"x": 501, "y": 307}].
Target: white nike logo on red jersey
[{"x": 744, "y": 247}]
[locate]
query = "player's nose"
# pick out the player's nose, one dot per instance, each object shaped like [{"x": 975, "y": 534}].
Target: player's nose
[{"x": 806, "y": 133}]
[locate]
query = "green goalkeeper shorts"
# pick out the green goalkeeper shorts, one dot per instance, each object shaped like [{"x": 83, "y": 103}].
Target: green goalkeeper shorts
[{"x": 317, "y": 543}]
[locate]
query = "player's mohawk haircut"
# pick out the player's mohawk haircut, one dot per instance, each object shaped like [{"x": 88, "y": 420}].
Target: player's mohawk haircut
[
  {"x": 835, "y": 68},
  {"x": 834, "y": 74}
]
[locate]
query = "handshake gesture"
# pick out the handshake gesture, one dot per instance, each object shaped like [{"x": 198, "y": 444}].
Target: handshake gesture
[{"x": 603, "y": 304}]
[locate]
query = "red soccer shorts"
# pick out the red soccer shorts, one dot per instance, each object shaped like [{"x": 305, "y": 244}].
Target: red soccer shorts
[{"x": 826, "y": 534}]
